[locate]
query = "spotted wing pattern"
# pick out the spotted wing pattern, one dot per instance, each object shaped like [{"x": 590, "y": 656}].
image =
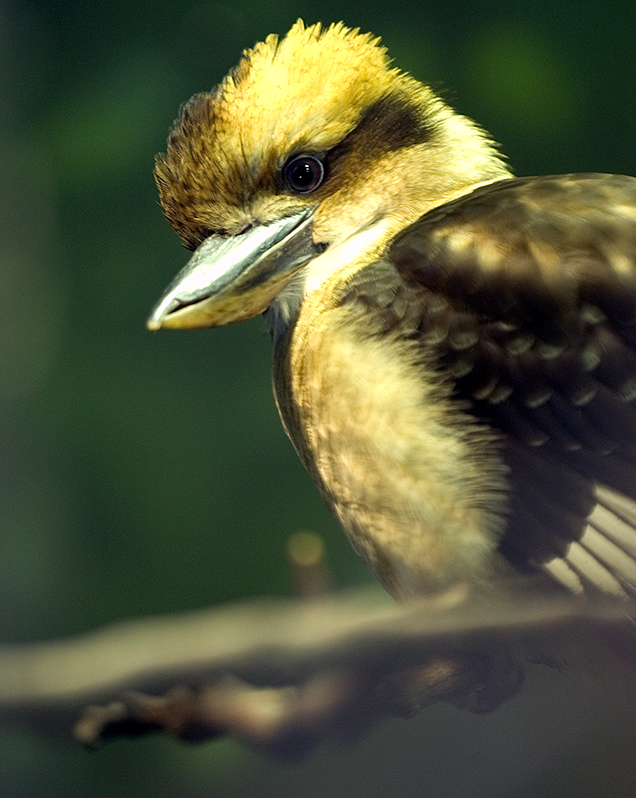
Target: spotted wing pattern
[{"x": 526, "y": 293}]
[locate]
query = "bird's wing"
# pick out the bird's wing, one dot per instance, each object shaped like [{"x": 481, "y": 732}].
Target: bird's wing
[{"x": 532, "y": 312}]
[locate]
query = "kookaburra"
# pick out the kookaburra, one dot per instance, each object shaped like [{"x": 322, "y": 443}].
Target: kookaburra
[{"x": 454, "y": 348}]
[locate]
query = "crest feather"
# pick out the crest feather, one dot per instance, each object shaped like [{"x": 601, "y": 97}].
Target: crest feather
[{"x": 307, "y": 90}]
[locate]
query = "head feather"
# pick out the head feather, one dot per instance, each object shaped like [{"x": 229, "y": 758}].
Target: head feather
[
  {"x": 309, "y": 92},
  {"x": 306, "y": 90}
]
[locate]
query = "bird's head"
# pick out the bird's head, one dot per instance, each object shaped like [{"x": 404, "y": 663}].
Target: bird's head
[{"x": 306, "y": 159}]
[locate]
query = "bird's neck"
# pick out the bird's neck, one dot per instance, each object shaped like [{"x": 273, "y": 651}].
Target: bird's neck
[{"x": 352, "y": 252}]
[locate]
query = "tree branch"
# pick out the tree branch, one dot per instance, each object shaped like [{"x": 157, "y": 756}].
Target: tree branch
[{"x": 283, "y": 674}]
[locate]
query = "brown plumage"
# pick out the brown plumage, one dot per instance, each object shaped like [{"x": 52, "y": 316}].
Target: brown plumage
[{"x": 454, "y": 348}]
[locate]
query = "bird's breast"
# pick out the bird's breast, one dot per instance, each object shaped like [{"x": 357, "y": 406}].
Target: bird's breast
[{"x": 410, "y": 478}]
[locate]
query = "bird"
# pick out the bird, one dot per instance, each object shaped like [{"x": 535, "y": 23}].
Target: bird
[{"x": 454, "y": 347}]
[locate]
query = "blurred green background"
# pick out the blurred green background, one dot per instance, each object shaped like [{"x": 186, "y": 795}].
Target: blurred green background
[{"x": 149, "y": 473}]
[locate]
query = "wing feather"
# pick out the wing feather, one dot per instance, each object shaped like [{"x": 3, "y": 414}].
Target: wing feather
[{"x": 528, "y": 300}]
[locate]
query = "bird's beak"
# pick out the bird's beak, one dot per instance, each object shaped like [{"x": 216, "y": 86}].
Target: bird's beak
[{"x": 231, "y": 279}]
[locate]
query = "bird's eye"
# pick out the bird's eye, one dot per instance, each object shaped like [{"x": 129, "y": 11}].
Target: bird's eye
[{"x": 304, "y": 174}]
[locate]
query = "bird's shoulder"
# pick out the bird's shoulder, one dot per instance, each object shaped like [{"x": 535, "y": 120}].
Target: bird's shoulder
[{"x": 530, "y": 247}]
